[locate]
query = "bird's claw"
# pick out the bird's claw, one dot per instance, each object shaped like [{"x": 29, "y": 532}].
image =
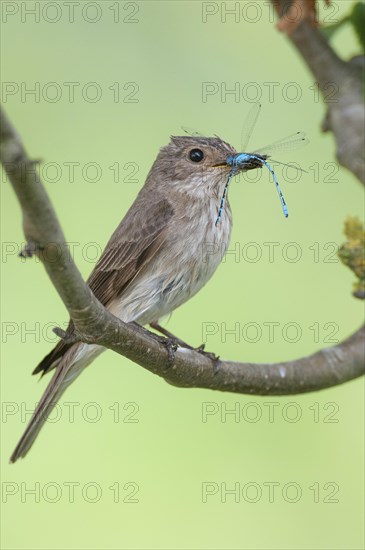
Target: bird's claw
[
  {"x": 212, "y": 356},
  {"x": 171, "y": 346},
  {"x": 29, "y": 250}
]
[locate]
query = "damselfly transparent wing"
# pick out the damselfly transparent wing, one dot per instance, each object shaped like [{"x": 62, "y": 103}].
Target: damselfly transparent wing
[
  {"x": 249, "y": 125},
  {"x": 288, "y": 165},
  {"x": 192, "y": 132},
  {"x": 288, "y": 143}
]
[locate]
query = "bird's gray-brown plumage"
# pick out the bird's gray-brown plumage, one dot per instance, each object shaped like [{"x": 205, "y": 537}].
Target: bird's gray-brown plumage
[{"x": 155, "y": 260}]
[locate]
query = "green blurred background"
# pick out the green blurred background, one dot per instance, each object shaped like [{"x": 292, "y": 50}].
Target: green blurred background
[{"x": 138, "y": 452}]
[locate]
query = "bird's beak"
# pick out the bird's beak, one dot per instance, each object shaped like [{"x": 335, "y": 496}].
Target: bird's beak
[{"x": 223, "y": 164}]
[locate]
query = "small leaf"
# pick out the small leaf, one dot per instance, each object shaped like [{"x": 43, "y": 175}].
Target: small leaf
[
  {"x": 357, "y": 20},
  {"x": 352, "y": 253},
  {"x": 330, "y": 30}
]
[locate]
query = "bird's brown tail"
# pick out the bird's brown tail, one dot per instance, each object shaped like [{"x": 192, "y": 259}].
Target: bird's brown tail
[{"x": 70, "y": 366}]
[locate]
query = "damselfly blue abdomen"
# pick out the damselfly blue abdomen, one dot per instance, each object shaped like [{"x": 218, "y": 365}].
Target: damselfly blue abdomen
[{"x": 250, "y": 161}]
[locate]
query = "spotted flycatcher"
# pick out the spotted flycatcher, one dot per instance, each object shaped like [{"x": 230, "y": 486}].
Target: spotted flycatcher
[{"x": 155, "y": 260}]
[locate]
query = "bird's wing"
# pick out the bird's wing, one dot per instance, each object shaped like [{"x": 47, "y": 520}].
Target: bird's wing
[{"x": 131, "y": 247}]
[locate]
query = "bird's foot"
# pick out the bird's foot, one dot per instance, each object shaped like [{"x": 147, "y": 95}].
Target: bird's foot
[
  {"x": 170, "y": 336},
  {"x": 172, "y": 340},
  {"x": 30, "y": 249},
  {"x": 171, "y": 346},
  {"x": 212, "y": 356}
]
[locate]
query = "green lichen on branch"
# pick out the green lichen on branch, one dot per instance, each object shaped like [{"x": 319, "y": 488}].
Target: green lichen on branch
[{"x": 352, "y": 253}]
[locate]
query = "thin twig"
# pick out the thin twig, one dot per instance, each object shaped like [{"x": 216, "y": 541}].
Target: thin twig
[{"x": 342, "y": 86}]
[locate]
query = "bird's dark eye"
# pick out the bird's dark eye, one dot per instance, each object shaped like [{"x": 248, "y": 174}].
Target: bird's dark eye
[{"x": 196, "y": 155}]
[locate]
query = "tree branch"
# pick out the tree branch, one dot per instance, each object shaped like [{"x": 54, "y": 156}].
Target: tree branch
[
  {"x": 341, "y": 84},
  {"x": 95, "y": 324}
]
